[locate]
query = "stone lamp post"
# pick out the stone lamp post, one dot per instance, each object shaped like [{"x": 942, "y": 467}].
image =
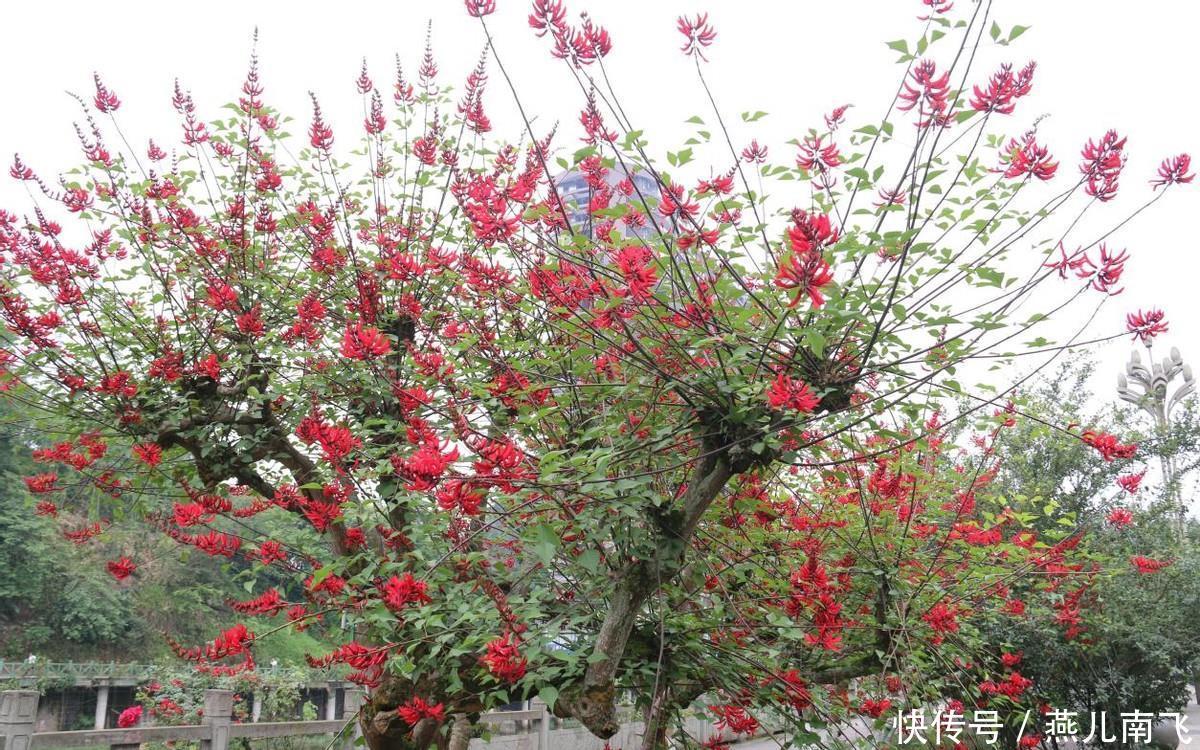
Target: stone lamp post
[{"x": 1155, "y": 383}]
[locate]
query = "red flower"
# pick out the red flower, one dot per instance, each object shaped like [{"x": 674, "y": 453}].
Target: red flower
[
  {"x": 1120, "y": 517},
  {"x": 806, "y": 274},
  {"x": 874, "y": 708},
  {"x": 130, "y": 717},
  {"x": 795, "y": 395},
  {"x": 480, "y": 8},
  {"x": 1107, "y": 275},
  {"x": 148, "y": 453},
  {"x": 425, "y": 467},
  {"x": 77, "y": 200},
  {"x": 927, "y": 92},
  {"x": 1174, "y": 171},
  {"x": 416, "y": 709},
  {"x": 221, "y": 296},
  {"x": 1011, "y": 660},
  {"x": 942, "y": 618},
  {"x": 936, "y": 6},
  {"x": 18, "y": 170},
  {"x": 796, "y": 690},
  {"x": 106, "y": 100},
  {"x": 734, "y": 718},
  {"x": 1108, "y": 446},
  {"x": 699, "y": 34},
  {"x": 1028, "y": 157},
  {"x": 320, "y": 135},
  {"x": 504, "y": 660},
  {"x": 46, "y": 508},
  {"x": 400, "y": 592},
  {"x": 636, "y": 265},
  {"x": 836, "y": 117},
  {"x": 1148, "y": 565},
  {"x": 364, "y": 342},
  {"x": 1003, "y": 89},
  {"x": 815, "y": 156},
  {"x": 40, "y": 484},
  {"x": 1146, "y": 325},
  {"x": 547, "y": 15},
  {"x": 1102, "y": 164},
  {"x": 754, "y": 153},
  {"x": 268, "y": 603},
  {"x": 121, "y": 568},
  {"x": 1131, "y": 482},
  {"x": 250, "y": 323},
  {"x": 269, "y": 552}
]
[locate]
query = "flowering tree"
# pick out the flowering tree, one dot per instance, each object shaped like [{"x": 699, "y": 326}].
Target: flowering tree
[{"x": 670, "y": 440}]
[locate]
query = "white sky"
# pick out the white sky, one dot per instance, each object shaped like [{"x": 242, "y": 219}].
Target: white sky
[{"x": 1102, "y": 64}]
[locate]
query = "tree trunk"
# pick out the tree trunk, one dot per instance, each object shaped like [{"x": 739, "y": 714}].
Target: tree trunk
[{"x": 593, "y": 702}]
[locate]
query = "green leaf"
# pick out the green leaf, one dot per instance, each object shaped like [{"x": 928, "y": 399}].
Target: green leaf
[
  {"x": 995, "y": 31},
  {"x": 549, "y": 694},
  {"x": 1016, "y": 32},
  {"x": 545, "y": 543},
  {"x": 590, "y": 560},
  {"x": 900, "y": 45}
]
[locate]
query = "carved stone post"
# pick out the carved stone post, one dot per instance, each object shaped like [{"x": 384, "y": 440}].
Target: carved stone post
[
  {"x": 218, "y": 714},
  {"x": 18, "y": 713},
  {"x": 352, "y": 701}
]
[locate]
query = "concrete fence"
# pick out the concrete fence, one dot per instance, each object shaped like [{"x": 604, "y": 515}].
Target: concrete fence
[
  {"x": 533, "y": 729},
  {"x": 18, "y": 716}
]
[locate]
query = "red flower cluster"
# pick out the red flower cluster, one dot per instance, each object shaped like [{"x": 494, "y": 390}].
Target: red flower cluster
[
  {"x": 794, "y": 395},
  {"x": 581, "y": 46},
  {"x": 400, "y": 592},
  {"x": 1120, "y": 518},
  {"x": 130, "y": 717},
  {"x": 1003, "y": 89},
  {"x": 927, "y": 92},
  {"x": 1103, "y": 275},
  {"x": 1131, "y": 483},
  {"x": 1102, "y": 164},
  {"x": 1146, "y": 325},
  {"x": 106, "y": 100},
  {"x": 504, "y": 660},
  {"x": 699, "y": 34},
  {"x": 1028, "y": 157},
  {"x": 479, "y": 9},
  {"x": 1148, "y": 565},
  {"x": 1174, "y": 171},
  {"x": 804, "y": 268},
  {"x": 417, "y": 708},
  {"x": 735, "y": 718},
  {"x": 1108, "y": 446},
  {"x": 269, "y": 603},
  {"x": 121, "y": 568}
]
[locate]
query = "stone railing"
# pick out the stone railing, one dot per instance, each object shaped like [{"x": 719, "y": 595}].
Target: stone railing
[
  {"x": 533, "y": 729},
  {"x": 18, "y": 714},
  {"x": 26, "y": 673}
]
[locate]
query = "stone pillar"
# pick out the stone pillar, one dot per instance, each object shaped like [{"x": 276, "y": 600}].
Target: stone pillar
[
  {"x": 256, "y": 706},
  {"x": 101, "y": 705},
  {"x": 543, "y": 742},
  {"x": 331, "y": 702},
  {"x": 218, "y": 714},
  {"x": 18, "y": 713},
  {"x": 352, "y": 701}
]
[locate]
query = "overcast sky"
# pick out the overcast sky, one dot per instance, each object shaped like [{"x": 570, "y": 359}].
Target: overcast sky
[{"x": 1101, "y": 64}]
